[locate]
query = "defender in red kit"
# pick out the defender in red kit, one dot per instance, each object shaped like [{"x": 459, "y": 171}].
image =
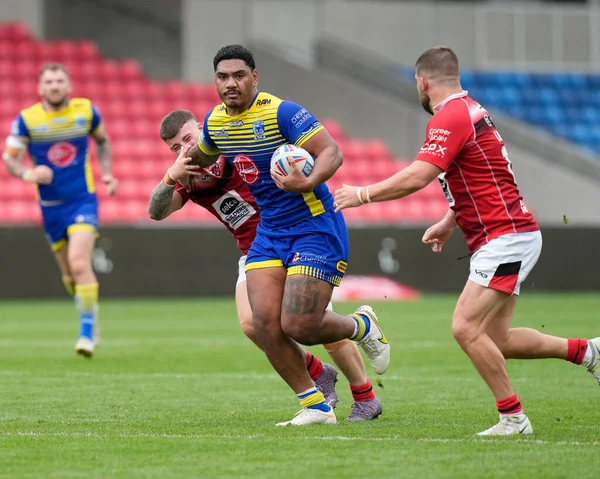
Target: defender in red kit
[
  {"x": 222, "y": 191},
  {"x": 465, "y": 152}
]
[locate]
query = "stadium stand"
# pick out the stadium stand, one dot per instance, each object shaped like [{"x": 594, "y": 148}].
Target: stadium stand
[
  {"x": 132, "y": 106},
  {"x": 565, "y": 104}
]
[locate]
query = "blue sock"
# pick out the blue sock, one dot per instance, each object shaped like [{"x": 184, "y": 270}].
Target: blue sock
[
  {"x": 86, "y": 302},
  {"x": 313, "y": 399},
  {"x": 363, "y": 326},
  {"x": 87, "y": 326},
  {"x": 321, "y": 407}
]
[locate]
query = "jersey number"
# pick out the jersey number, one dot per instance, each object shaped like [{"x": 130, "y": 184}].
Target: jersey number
[
  {"x": 505, "y": 155},
  {"x": 509, "y": 165}
]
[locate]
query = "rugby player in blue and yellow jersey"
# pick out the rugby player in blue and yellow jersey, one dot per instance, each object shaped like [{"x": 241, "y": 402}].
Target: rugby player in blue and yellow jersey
[
  {"x": 55, "y": 132},
  {"x": 301, "y": 247}
]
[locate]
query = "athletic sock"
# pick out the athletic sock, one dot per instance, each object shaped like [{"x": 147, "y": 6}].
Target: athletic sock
[
  {"x": 314, "y": 366},
  {"x": 86, "y": 301},
  {"x": 511, "y": 406},
  {"x": 313, "y": 399},
  {"x": 363, "y": 393},
  {"x": 577, "y": 350},
  {"x": 588, "y": 356},
  {"x": 69, "y": 285},
  {"x": 362, "y": 326}
]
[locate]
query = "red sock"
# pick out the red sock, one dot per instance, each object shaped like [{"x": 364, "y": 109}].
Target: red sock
[
  {"x": 577, "y": 349},
  {"x": 363, "y": 393},
  {"x": 510, "y": 406},
  {"x": 314, "y": 366}
]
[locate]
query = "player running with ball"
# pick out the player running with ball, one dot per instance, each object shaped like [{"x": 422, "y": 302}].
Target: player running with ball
[
  {"x": 464, "y": 150},
  {"x": 301, "y": 246},
  {"x": 223, "y": 193}
]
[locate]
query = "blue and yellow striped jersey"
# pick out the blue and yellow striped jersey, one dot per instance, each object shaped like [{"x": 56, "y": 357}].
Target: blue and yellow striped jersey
[
  {"x": 249, "y": 140},
  {"x": 59, "y": 139}
]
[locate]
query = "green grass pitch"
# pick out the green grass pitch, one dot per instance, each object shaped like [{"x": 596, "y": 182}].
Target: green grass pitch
[{"x": 177, "y": 391}]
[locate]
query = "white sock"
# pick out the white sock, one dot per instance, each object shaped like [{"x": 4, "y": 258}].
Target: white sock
[
  {"x": 588, "y": 354},
  {"x": 521, "y": 416}
]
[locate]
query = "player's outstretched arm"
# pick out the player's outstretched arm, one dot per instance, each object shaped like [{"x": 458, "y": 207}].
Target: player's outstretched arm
[
  {"x": 412, "y": 178},
  {"x": 13, "y": 159}
]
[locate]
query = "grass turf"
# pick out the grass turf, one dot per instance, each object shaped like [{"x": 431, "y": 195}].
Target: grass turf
[{"x": 177, "y": 391}]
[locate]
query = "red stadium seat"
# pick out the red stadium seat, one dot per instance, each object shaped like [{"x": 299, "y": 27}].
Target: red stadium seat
[
  {"x": 130, "y": 70},
  {"x": 90, "y": 70},
  {"x": 66, "y": 51},
  {"x": 26, "y": 70},
  {"x": 109, "y": 210},
  {"x": 87, "y": 51},
  {"x": 334, "y": 129},
  {"x": 18, "y": 31},
  {"x": 132, "y": 106},
  {"x": 109, "y": 70}
]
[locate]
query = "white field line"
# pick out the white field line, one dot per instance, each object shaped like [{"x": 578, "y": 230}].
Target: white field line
[
  {"x": 221, "y": 375},
  {"x": 278, "y": 437}
]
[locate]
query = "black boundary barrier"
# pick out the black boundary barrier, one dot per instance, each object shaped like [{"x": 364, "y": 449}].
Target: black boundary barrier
[{"x": 155, "y": 262}]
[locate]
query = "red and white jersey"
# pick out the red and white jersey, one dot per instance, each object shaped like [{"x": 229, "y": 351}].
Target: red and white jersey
[
  {"x": 478, "y": 179},
  {"x": 223, "y": 192}
]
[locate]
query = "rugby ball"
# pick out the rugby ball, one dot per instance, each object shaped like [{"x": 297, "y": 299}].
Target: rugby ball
[{"x": 287, "y": 154}]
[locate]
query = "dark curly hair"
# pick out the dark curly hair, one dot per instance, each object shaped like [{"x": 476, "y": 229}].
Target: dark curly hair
[{"x": 234, "y": 52}]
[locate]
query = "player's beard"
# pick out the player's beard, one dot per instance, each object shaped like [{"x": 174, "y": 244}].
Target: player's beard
[
  {"x": 425, "y": 102},
  {"x": 57, "y": 103}
]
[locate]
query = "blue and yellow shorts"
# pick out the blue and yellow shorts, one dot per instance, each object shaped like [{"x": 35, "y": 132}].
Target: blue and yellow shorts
[
  {"x": 64, "y": 219},
  {"x": 317, "y": 247}
]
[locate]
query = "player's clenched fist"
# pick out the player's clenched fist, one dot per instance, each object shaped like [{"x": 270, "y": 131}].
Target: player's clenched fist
[
  {"x": 41, "y": 175},
  {"x": 111, "y": 183}
]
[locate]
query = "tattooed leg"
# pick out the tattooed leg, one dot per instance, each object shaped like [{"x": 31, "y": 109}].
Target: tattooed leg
[
  {"x": 303, "y": 315},
  {"x": 265, "y": 289}
]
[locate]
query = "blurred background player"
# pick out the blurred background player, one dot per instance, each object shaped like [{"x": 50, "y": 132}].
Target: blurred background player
[
  {"x": 465, "y": 151},
  {"x": 222, "y": 185},
  {"x": 300, "y": 251},
  {"x": 55, "y": 133}
]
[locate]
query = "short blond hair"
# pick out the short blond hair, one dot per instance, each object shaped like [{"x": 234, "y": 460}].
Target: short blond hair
[{"x": 53, "y": 67}]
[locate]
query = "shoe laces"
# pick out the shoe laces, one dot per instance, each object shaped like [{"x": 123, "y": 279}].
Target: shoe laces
[
  {"x": 361, "y": 408},
  {"x": 369, "y": 345}
]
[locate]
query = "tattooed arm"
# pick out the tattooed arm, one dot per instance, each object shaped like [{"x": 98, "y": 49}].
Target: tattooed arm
[
  {"x": 104, "y": 154},
  {"x": 164, "y": 200}
]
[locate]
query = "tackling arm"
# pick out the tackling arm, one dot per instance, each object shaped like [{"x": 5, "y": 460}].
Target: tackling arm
[
  {"x": 412, "y": 178},
  {"x": 416, "y": 176},
  {"x": 164, "y": 200}
]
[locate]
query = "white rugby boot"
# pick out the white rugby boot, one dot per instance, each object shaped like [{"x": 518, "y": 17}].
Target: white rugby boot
[
  {"x": 593, "y": 364},
  {"x": 307, "y": 417},
  {"x": 375, "y": 344},
  {"x": 85, "y": 347},
  {"x": 509, "y": 426}
]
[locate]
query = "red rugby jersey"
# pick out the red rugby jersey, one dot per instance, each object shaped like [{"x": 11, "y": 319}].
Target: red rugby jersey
[
  {"x": 478, "y": 179},
  {"x": 223, "y": 192}
]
